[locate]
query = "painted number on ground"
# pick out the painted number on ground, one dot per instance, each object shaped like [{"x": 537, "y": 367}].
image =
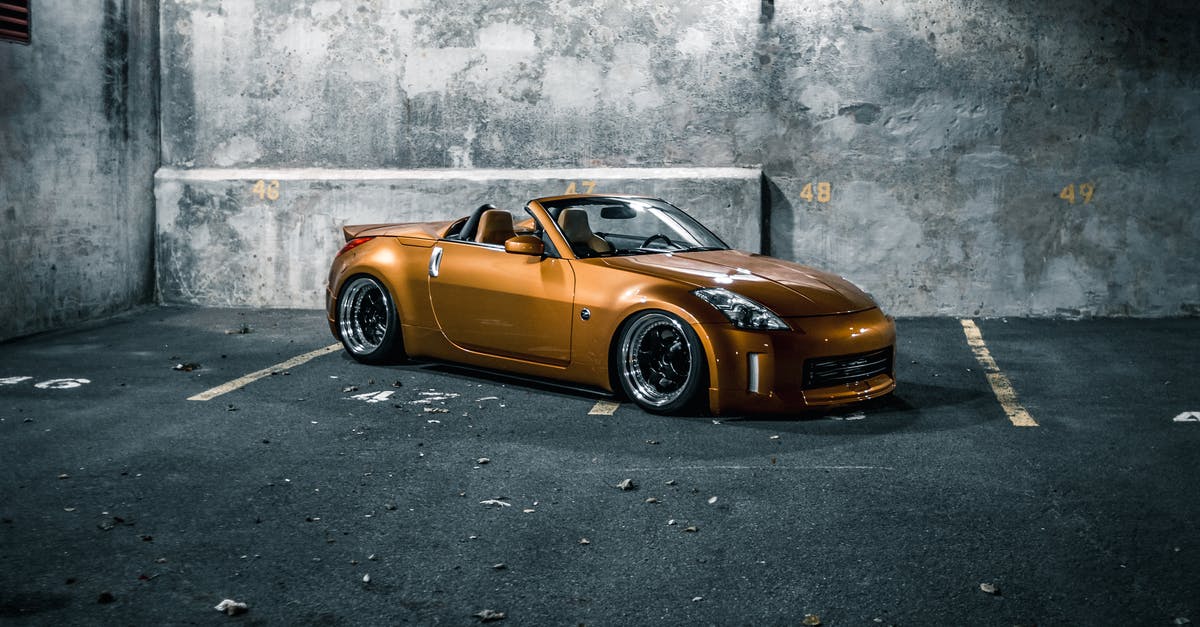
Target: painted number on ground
[
  {"x": 373, "y": 397},
  {"x": 1086, "y": 192},
  {"x": 52, "y": 384},
  {"x": 1188, "y": 416},
  {"x": 588, "y": 187},
  {"x": 824, "y": 191},
  {"x": 266, "y": 190}
]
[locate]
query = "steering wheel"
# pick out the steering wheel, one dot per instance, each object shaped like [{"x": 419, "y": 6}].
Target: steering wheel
[{"x": 660, "y": 236}]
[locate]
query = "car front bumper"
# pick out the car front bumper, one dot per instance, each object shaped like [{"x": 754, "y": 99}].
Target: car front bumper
[{"x": 764, "y": 371}]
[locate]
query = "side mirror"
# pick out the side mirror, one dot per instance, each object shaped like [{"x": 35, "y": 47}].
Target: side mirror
[{"x": 525, "y": 245}]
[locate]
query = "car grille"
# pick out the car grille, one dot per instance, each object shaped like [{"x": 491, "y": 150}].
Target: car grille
[{"x": 825, "y": 371}]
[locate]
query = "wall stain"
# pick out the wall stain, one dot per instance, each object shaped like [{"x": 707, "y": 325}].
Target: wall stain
[{"x": 115, "y": 26}]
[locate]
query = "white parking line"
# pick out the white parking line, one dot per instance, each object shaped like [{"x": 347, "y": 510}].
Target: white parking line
[
  {"x": 603, "y": 408},
  {"x": 243, "y": 381},
  {"x": 761, "y": 467},
  {"x": 1001, "y": 386}
]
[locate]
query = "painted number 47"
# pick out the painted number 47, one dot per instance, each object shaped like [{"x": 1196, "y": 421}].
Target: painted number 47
[{"x": 588, "y": 187}]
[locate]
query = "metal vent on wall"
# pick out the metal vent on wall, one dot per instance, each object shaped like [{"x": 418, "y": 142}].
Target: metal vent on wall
[{"x": 14, "y": 20}]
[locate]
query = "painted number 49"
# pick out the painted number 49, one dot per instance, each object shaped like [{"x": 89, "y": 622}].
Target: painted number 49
[{"x": 1086, "y": 191}]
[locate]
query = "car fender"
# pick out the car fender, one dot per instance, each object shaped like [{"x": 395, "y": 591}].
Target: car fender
[
  {"x": 668, "y": 298},
  {"x": 400, "y": 268}
]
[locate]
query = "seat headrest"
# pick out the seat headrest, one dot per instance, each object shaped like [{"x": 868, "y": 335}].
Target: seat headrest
[
  {"x": 574, "y": 223},
  {"x": 495, "y": 226}
]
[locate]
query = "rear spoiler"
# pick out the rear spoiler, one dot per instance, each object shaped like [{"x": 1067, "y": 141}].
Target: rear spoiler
[
  {"x": 352, "y": 231},
  {"x": 419, "y": 230}
]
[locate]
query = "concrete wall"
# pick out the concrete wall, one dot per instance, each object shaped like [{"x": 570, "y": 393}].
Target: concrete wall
[
  {"x": 945, "y": 129},
  {"x": 222, "y": 243},
  {"x": 78, "y": 149}
]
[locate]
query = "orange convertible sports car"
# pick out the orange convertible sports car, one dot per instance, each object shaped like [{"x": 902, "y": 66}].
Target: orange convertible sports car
[{"x": 624, "y": 294}]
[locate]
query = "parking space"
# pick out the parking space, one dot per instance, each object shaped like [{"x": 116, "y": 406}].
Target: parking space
[{"x": 329, "y": 491}]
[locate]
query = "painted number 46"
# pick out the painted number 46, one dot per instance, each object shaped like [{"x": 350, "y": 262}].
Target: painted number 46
[{"x": 266, "y": 190}]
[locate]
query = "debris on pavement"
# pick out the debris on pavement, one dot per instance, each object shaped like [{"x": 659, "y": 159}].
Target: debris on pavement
[
  {"x": 186, "y": 367},
  {"x": 584, "y": 541},
  {"x": 242, "y": 330},
  {"x": 108, "y": 524},
  {"x": 627, "y": 484},
  {"x": 775, "y": 437},
  {"x": 436, "y": 410},
  {"x": 652, "y": 442},
  {"x": 812, "y": 620},
  {"x": 671, "y": 522},
  {"x": 500, "y": 566},
  {"x": 350, "y": 388},
  {"x": 487, "y": 398},
  {"x": 391, "y": 507},
  {"x": 697, "y": 599},
  {"x": 487, "y": 616},
  {"x": 64, "y": 476},
  {"x": 482, "y": 460},
  {"x": 367, "y": 578},
  {"x": 712, "y": 500},
  {"x": 231, "y": 607},
  {"x": 691, "y": 529},
  {"x": 495, "y": 503},
  {"x": 989, "y": 588},
  {"x": 651, "y": 499}
]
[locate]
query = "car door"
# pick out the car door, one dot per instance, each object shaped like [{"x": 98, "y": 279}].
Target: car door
[{"x": 491, "y": 301}]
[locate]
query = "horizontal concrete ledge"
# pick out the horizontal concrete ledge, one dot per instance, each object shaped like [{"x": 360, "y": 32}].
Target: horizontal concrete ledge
[
  {"x": 565, "y": 174},
  {"x": 224, "y": 240}
]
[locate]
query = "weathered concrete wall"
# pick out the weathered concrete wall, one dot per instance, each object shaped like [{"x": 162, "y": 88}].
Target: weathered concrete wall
[
  {"x": 78, "y": 149},
  {"x": 225, "y": 241},
  {"x": 945, "y": 130}
]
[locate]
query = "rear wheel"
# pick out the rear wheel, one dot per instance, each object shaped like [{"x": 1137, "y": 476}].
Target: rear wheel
[
  {"x": 367, "y": 321},
  {"x": 660, "y": 362}
]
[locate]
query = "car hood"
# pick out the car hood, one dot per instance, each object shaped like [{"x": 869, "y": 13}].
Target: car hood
[{"x": 788, "y": 289}]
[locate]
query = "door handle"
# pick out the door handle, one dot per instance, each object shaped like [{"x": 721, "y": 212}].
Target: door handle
[{"x": 435, "y": 261}]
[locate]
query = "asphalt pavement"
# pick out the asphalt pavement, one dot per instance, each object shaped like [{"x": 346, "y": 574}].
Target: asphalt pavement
[{"x": 318, "y": 490}]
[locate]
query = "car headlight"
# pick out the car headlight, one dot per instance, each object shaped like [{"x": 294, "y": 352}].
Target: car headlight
[{"x": 741, "y": 311}]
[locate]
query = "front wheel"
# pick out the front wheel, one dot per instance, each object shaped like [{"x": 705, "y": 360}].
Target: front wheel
[
  {"x": 367, "y": 321},
  {"x": 660, "y": 362}
]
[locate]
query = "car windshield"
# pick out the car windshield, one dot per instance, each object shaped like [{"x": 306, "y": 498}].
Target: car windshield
[{"x": 628, "y": 226}]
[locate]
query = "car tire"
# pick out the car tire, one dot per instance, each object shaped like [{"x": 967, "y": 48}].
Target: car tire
[
  {"x": 367, "y": 321},
  {"x": 660, "y": 362}
]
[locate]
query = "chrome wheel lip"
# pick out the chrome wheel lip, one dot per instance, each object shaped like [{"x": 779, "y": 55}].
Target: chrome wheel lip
[
  {"x": 632, "y": 371},
  {"x": 363, "y": 315}
]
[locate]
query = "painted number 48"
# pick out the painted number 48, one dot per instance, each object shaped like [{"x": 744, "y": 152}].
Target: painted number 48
[{"x": 824, "y": 191}]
